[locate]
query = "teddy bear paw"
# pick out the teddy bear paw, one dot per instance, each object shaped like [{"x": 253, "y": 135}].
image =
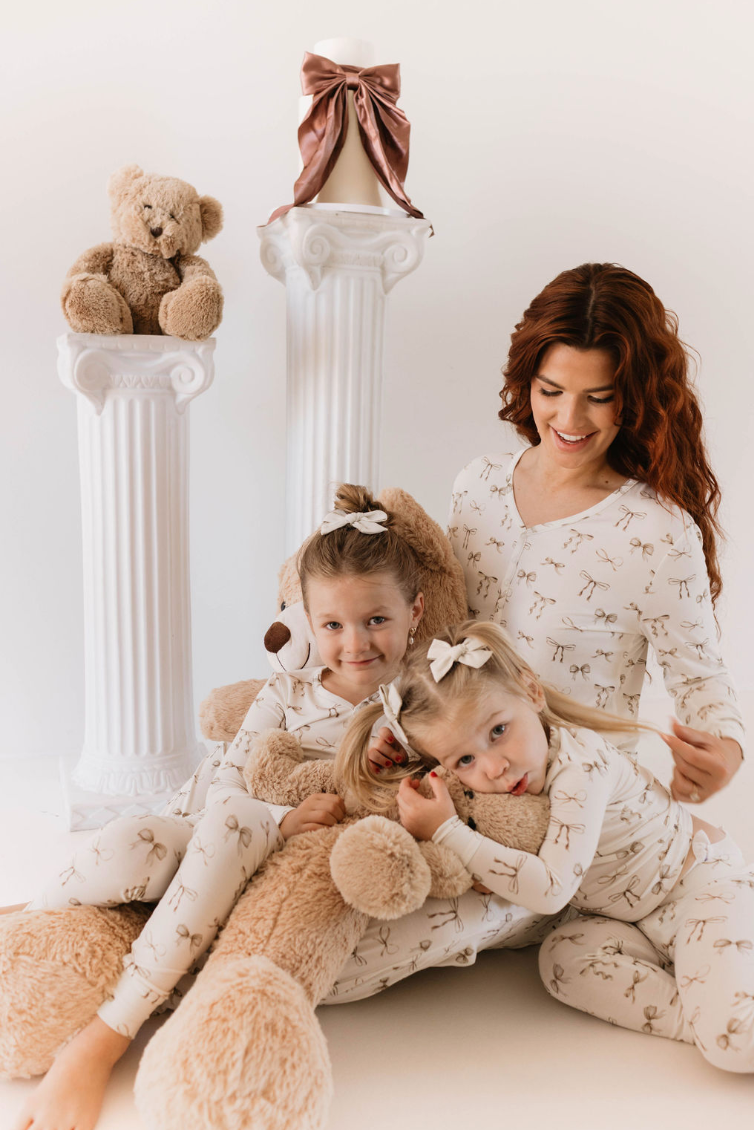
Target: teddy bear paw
[
  {"x": 92, "y": 306},
  {"x": 193, "y": 311},
  {"x": 378, "y": 869}
]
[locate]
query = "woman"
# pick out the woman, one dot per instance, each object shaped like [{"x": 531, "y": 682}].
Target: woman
[{"x": 599, "y": 539}]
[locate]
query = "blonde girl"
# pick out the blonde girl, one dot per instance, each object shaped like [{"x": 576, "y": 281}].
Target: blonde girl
[
  {"x": 361, "y": 590},
  {"x": 665, "y": 941}
]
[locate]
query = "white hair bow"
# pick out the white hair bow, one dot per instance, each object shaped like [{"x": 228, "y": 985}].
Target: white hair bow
[
  {"x": 392, "y": 704},
  {"x": 471, "y": 652},
  {"x": 367, "y": 522}
]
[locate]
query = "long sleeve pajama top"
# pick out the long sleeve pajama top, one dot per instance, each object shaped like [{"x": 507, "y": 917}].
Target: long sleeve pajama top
[
  {"x": 615, "y": 844},
  {"x": 583, "y": 598},
  {"x": 297, "y": 702}
]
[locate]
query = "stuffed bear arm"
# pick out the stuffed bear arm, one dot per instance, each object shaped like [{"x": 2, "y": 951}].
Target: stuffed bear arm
[
  {"x": 277, "y": 773},
  {"x": 194, "y": 267},
  {"x": 96, "y": 261}
]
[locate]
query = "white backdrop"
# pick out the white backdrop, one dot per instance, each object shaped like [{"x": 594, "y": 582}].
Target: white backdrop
[{"x": 544, "y": 135}]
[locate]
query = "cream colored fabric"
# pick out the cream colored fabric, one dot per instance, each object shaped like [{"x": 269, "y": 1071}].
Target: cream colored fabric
[
  {"x": 584, "y": 598},
  {"x": 685, "y": 971}
]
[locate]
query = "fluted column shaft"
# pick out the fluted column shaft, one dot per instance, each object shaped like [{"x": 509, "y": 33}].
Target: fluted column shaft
[
  {"x": 139, "y": 734},
  {"x": 338, "y": 267}
]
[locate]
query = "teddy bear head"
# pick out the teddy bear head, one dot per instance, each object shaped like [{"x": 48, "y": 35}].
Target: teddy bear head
[
  {"x": 160, "y": 215},
  {"x": 289, "y": 641}
]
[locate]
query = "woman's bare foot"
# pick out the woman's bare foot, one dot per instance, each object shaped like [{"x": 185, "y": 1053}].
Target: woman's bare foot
[
  {"x": 12, "y": 909},
  {"x": 71, "y": 1093}
]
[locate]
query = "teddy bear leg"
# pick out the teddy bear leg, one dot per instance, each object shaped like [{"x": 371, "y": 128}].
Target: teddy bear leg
[
  {"x": 194, "y": 310},
  {"x": 92, "y": 306},
  {"x": 56, "y": 967},
  {"x": 244, "y": 1048},
  {"x": 261, "y": 1059}
]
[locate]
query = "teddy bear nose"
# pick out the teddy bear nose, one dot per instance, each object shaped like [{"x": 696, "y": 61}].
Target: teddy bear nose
[
  {"x": 277, "y": 636},
  {"x": 156, "y": 232}
]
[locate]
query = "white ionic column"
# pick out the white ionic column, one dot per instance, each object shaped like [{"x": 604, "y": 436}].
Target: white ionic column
[
  {"x": 139, "y": 736},
  {"x": 338, "y": 266}
]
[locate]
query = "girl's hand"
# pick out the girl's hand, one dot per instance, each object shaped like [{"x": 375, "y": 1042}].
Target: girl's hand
[
  {"x": 320, "y": 810},
  {"x": 385, "y": 751},
  {"x": 422, "y": 816},
  {"x": 704, "y": 764}
]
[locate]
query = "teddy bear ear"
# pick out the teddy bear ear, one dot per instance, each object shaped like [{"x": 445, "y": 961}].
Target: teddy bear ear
[
  {"x": 123, "y": 179},
  {"x": 211, "y": 211}
]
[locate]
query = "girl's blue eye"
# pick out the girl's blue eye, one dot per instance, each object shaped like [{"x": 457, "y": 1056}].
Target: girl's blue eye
[
  {"x": 465, "y": 761},
  {"x": 379, "y": 620},
  {"x": 498, "y": 731},
  {"x": 333, "y": 624}
]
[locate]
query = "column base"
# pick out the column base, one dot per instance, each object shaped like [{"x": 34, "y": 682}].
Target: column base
[{"x": 87, "y": 811}]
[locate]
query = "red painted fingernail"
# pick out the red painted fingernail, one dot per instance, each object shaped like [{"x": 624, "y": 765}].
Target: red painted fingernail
[
  {"x": 390, "y": 739},
  {"x": 433, "y": 774},
  {"x": 377, "y": 768}
]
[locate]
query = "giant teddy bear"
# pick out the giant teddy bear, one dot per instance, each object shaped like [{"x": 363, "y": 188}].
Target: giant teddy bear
[
  {"x": 244, "y": 1047},
  {"x": 149, "y": 279}
]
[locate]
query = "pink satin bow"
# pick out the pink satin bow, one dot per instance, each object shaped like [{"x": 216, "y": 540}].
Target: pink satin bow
[{"x": 384, "y": 129}]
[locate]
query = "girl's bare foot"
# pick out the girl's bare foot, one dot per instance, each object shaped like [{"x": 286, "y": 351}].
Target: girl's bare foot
[
  {"x": 14, "y": 908},
  {"x": 71, "y": 1093}
]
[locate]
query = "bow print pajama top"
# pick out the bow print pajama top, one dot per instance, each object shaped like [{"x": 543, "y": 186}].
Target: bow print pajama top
[{"x": 583, "y": 598}]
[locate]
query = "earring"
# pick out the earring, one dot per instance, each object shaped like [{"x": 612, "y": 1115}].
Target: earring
[{"x": 411, "y": 634}]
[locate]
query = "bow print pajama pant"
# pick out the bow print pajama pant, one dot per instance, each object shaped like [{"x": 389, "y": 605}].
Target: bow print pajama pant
[
  {"x": 685, "y": 972},
  {"x": 195, "y": 867}
]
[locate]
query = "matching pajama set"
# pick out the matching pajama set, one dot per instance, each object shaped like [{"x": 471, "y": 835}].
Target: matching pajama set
[
  {"x": 673, "y": 952},
  {"x": 196, "y": 857},
  {"x": 584, "y": 598}
]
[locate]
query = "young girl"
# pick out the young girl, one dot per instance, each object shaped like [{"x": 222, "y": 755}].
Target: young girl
[
  {"x": 670, "y": 950},
  {"x": 360, "y": 583}
]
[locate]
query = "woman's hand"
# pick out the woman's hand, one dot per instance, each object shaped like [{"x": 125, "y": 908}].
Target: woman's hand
[
  {"x": 422, "y": 816},
  {"x": 704, "y": 764},
  {"x": 320, "y": 810},
  {"x": 385, "y": 751}
]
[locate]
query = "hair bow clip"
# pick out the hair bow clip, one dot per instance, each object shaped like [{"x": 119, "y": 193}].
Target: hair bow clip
[
  {"x": 471, "y": 652},
  {"x": 392, "y": 704},
  {"x": 367, "y": 522}
]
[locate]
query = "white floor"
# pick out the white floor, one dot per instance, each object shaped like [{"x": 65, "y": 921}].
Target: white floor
[{"x": 482, "y": 1047}]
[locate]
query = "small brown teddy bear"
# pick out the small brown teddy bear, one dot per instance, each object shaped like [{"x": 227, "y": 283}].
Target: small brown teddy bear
[{"x": 148, "y": 280}]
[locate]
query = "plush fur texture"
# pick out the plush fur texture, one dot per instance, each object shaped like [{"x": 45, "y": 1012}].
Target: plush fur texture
[
  {"x": 56, "y": 966},
  {"x": 244, "y": 1048},
  {"x": 148, "y": 281},
  {"x": 223, "y": 711},
  {"x": 304, "y": 913}
]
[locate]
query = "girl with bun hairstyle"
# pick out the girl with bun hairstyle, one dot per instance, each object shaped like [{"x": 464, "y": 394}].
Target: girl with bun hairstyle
[{"x": 360, "y": 582}]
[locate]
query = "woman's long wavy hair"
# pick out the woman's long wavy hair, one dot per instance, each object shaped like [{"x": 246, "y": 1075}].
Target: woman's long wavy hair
[
  {"x": 424, "y": 701},
  {"x": 660, "y": 442}
]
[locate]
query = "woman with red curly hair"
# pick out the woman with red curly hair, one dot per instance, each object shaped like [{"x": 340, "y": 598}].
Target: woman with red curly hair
[{"x": 598, "y": 540}]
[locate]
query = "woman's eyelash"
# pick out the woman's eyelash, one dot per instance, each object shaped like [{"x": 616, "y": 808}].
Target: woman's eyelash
[{"x": 593, "y": 399}]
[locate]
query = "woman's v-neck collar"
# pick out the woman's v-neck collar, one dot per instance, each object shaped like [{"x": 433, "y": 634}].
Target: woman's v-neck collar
[{"x": 608, "y": 500}]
